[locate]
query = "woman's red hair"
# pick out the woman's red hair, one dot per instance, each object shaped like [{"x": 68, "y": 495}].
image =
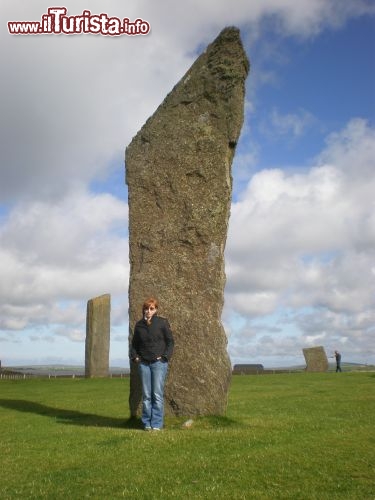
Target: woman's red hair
[{"x": 150, "y": 302}]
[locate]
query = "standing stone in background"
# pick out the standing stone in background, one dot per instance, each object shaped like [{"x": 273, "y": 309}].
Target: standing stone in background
[
  {"x": 316, "y": 359},
  {"x": 97, "y": 336},
  {"x": 178, "y": 171}
]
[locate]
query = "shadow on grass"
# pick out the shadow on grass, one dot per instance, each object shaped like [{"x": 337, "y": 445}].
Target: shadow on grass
[{"x": 70, "y": 417}]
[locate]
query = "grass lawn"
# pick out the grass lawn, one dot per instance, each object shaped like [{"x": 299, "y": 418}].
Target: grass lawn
[{"x": 287, "y": 436}]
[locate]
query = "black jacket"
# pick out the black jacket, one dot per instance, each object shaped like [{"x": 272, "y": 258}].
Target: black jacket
[{"x": 152, "y": 341}]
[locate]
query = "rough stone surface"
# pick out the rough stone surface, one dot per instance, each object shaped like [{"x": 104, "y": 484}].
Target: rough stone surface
[
  {"x": 97, "y": 336},
  {"x": 316, "y": 359},
  {"x": 178, "y": 171}
]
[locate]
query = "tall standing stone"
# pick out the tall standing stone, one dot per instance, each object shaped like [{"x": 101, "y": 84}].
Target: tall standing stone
[
  {"x": 178, "y": 171},
  {"x": 98, "y": 336}
]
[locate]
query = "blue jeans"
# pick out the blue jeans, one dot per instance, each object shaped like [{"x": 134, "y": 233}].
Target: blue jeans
[{"x": 153, "y": 378}]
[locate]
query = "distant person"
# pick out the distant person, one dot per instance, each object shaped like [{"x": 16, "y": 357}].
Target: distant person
[
  {"x": 338, "y": 361},
  {"x": 152, "y": 347}
]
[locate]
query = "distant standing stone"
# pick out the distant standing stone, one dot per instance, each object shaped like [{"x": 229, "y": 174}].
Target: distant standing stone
[
  {"x": 178, "y": 171},
  {"x": 98, "y": 336},
  {"x": 316, "y": 359}
]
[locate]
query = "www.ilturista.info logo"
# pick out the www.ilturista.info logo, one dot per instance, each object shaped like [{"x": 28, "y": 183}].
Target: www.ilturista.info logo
[{"x": 56, "y": 22}]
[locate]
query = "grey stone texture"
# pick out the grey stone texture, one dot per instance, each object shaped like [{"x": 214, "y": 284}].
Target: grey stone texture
[
  {"x": 178, "y": 171},
  {"x": 98, "y": 336},
  {"x": 316, "y": 359}
]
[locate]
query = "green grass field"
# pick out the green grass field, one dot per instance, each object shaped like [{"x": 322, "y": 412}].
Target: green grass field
[{"x": 290, "y": 436}]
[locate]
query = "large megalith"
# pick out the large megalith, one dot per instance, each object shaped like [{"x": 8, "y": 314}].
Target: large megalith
[
  {"x": 178, "y": 171},
  {"x": 97, "y": 336}
]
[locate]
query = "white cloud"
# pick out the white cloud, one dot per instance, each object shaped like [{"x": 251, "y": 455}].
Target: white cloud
[
  {"x": 292, "y": 125},
  {"x": 306, "y": 240},
  {"x": 55, "y": 254}
]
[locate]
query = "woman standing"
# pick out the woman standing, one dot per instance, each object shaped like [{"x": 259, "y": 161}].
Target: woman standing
[{"x": 152, "y": 347}]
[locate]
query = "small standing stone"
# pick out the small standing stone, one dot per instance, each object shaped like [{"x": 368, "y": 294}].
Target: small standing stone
[
  {"x": 316, "y": 359},
  {"x": 97, "y": 336}
]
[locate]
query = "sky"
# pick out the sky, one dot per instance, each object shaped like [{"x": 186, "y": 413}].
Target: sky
[{"x": 300, "y": 253}]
